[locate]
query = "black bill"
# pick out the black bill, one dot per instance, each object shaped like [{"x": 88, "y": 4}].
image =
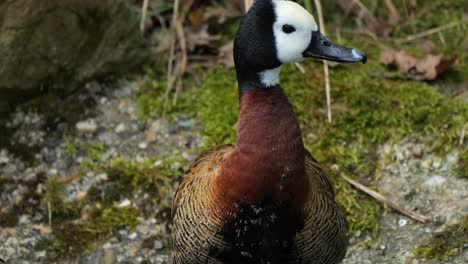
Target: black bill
[{"x": 322, "y": 48}]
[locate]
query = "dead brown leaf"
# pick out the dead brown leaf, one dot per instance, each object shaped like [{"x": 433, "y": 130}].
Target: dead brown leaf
[
  {"x": 226, "y": 56},
  {"x": 427, "y": 68},
  {"x": 196, "y": 17}
]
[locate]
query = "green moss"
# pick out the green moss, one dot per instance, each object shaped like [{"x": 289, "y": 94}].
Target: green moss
[
  {"x": 53, "y": 199},
  {"x": 216, "y": 107},
  {"x": 447, "y": 244},
  {"x": 53, "y": 195},
  {"x": 95, "y": 150},
  {"x": 69, "y": 240},
  {"x": 155, "y": 176},
  {"x": 74, "y": 238},
  {"x": 151, "y": 96},
  {"x": 105, "y": 222},
  {"x": 71, "y": 147},
  {"x": 462, "y": 168}
]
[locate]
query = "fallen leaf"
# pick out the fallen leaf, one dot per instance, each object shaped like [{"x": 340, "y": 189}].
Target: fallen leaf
[
  {"x": 44, "y": 230},
  {"x": 196, "y": 17},
  {"x": 427, "y": 68},
  {"x": 226, "y": 55}
]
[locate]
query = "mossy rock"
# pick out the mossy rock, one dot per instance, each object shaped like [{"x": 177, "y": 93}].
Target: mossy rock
[{"x": 55, "y": 45}]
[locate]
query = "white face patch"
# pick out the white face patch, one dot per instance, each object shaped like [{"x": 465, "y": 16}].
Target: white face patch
[
  {"x": 290, "y": 46},
  {"x": 270, "y": 78}
]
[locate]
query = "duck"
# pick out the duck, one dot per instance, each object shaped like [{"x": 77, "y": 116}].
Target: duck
[{"x": 264, "y": 199}]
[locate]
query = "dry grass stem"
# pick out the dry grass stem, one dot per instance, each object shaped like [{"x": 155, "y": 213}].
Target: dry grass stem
[
  {"x": 462, "y": 136},
  {"x": 170, "y": 77},
  {"x": 183, "y": 61},
  {"x": 299, "y": 67},
  {"x": 432, "y": 31},
  {"x": 248, "y": 4},
  {"x": 364, "y": 9},
  {"x": 49, "y": 211},
  {"x": 379, "y": 197},
  {"x": 318, "y": 6},
  {"x": 144, "y": 10}
]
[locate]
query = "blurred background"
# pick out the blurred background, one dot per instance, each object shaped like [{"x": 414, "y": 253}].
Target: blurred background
[{"x": 104, "y": 104}]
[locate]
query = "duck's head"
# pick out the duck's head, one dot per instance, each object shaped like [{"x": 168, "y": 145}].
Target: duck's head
[{"x": 275, "y": 32}]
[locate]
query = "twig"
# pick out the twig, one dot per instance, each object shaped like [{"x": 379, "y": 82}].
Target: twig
[
  {"x": 300, "y": 67},
  {"x": 183, "y": 61},
  {"x": 170, "y": 77},
  {"x": 431, "y": 31},
  {"x": 50, "y": 214},
  {"x": 365, "y": 10},
  {"x": 144, "y": 9},
  {"x": 318, "y": 5},
  {"x": 248, "y": 4},
  {"x": 462, "y": 136},
  {"x": 384, "y": 200}
]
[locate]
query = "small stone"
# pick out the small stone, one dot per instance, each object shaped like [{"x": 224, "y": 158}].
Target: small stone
[
  {"x": 139, "y": 158},
  {"x": 335, "y": 167},
  {"x": 358, "y": 233},
  {"x": 133, "y": 236},
  {"x": 53, "y": 172},
  {"x": 437, "y": 163},
  {"x": 24, "y": 219},
  {"x": 107, "y": 245},
  {"x": 41, "y": 254},
  {"x": 88, "y": 125},
  {"x": 426, "y": 164},
  {"x": 143, "y": 145},
  {"x": 134, "y": 248},
  {"x": 417, "y": 151},
  {"x": 125, "y": 203},
  {"x": 186, "y": 124},
  {"x": 49, "y": 155},
  {"x": 109, "y": 257},
  {"x": 120, "y": 128},
  {"x": 402, "y": 222},
  {"x": 80, "y": 196},
  {"x": 158, "y": 244},
  {"x": 435, "y": 180},
  {"x": 102, "y": 177},
  {"x": 3, "y": 157},
  {"x": 108, "y": 137},
  {"x": 399, "y": 156}
]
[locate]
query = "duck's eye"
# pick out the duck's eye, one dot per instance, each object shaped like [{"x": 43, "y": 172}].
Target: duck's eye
[{"x": 288, "y": 29}]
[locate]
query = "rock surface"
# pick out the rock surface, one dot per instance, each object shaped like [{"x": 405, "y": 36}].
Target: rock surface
[{"x": 67, "y": 41}]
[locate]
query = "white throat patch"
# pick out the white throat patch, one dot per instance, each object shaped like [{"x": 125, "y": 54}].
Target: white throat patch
[
  {"x": 290, "y": 46},
  {"x": 270, "y": 77}
]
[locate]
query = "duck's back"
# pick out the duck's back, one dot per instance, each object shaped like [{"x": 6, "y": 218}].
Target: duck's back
[{"x": 267, "y": 231}]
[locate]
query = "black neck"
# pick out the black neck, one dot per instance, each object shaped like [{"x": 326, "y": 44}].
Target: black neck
[{"x": 249, "y": 80}]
